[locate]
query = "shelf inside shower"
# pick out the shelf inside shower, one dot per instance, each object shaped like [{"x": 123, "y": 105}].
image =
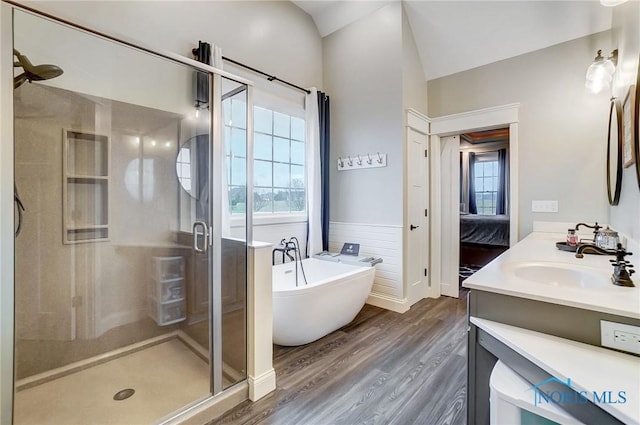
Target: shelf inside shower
[
  {"x": 87, "y": 154},
  {"x": 87, "y": 234},
  {"x": 86, "y": 187}
]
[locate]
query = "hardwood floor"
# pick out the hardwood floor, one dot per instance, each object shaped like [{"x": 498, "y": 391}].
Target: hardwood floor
[{"x": 383, "y": 368}]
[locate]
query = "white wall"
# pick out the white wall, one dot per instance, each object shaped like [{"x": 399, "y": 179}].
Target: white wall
[
  {"x": 562, "y": 130},
  {"x": 363, "y": 75},
  {"x": 414, "y": 87},
  {"x": 373, "y": 73},
  {"x": 626, "y": 26},
  {"x": 102, "y": 68},
  {"x": 274, "y": 36}
]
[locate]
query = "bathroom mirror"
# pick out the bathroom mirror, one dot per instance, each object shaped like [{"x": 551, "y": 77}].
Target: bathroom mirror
[
  {"x": 614, "y": 152},
  {"x": 192, "y": 165}
]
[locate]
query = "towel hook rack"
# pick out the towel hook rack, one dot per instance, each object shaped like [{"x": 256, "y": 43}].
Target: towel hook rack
[{"x": 364, "y": 160}]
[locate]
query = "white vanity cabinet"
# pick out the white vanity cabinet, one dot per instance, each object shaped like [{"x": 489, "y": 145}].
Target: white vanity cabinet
[
  {"x": 166, "y": 296},
  {"x": 547, "y": 327}
]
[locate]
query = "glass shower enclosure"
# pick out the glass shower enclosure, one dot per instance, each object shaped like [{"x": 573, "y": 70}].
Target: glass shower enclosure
[{"x": 129, "y": 279}]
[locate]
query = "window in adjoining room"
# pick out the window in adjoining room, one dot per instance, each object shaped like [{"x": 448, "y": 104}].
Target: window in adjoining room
[{"x": 486, "y": 184}]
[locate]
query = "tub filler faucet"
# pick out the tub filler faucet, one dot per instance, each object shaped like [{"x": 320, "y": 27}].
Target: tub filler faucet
[
  {"x": 288, "y": 247},
  {"x": 285, "y": 247}
]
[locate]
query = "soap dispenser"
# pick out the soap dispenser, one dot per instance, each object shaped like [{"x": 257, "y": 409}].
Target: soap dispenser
[{"x": 607, "y": 238}]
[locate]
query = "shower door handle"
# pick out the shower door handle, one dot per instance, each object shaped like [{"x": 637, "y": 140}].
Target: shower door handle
[{"x": 196, "y": 236}]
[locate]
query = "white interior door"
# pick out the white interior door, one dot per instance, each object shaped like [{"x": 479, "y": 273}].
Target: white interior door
[
  {"x": 450, "y": 194},
  {"x": 418, "y": 223}
]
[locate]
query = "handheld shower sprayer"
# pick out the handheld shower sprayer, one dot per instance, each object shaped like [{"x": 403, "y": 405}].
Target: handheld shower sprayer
[
  {"x": 19, "y": 207},
  {"x": 33, "y": 72}
]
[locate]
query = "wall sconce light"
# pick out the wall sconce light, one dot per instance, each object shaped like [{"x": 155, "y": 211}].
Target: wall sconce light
[{"x": 600, "y": 72}]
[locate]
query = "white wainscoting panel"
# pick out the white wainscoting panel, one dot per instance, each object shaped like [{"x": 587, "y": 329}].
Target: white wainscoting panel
[
  {"x": 273, "y": 234},
  {"x": 376, "y": 240}
]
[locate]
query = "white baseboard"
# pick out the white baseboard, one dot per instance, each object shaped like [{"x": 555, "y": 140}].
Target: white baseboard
[
  {"x": 389, "y": 303},
  {"x": 433, "y": 295},
  {"x": 260, "y": 386}
]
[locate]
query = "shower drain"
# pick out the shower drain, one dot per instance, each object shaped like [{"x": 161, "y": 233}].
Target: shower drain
[{"x": 124, "y": 394}]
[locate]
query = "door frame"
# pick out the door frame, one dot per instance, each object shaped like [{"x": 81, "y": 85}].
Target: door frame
[
  {"x": 6, "y": 215},
  {"x": 450, "y": 205},
  {"x": 455, "y": 124}
]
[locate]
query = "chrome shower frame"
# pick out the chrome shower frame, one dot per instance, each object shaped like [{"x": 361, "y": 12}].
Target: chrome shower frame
[
  {"x": 6, "y": 215},
  {"x": 7, "y": 223}
]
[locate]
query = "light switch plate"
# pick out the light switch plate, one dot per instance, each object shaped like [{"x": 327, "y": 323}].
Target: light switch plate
[
  {"x": 620, "y": 336},
  {"x": 550, "y": 206}
]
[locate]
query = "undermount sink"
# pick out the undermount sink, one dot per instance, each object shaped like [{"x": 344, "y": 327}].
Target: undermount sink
[{"x": 563, "y": 275}]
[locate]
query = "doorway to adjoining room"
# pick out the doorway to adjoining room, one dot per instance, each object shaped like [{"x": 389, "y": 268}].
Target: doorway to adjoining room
[{"x": 484, "y": 198}]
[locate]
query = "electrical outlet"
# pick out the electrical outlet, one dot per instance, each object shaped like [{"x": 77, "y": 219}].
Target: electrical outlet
[
  {"x": 544, "y": 206},
  {"x": 620, "y": 336}
]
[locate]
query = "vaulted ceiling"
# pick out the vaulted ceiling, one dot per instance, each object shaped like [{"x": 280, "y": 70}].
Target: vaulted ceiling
[{"x": 454, "y": 36}]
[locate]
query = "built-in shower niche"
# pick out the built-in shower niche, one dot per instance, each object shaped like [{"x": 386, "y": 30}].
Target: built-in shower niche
[{"x": 85, "y": 186}]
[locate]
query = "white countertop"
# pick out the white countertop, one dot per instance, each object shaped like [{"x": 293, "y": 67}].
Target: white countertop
[
  {"x": 540, "y": 247},
  {"x": 590, "y": 368}
]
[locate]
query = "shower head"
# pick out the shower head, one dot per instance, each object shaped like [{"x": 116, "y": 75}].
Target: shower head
[{"x": 33, "y": 72}]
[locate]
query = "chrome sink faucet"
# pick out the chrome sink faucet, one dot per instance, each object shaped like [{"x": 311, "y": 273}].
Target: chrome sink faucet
[{"x": 621, "y": 275}]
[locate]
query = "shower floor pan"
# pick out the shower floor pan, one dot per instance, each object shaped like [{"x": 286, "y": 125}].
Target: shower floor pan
[{"x": 166, "y": 374}]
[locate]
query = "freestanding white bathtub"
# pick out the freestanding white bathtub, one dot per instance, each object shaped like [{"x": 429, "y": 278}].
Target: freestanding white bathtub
[{"x": 334, "y": 295}]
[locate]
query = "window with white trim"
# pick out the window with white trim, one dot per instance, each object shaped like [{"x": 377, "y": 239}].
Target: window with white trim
[{"x": 279, "y": 159}]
